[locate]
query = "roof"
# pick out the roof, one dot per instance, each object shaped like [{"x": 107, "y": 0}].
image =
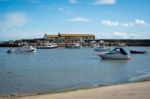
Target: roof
[
  {"x": 77, "y": 34},
  {"x": 71, "y": 35},
  {"x": 49, "y": 36}
]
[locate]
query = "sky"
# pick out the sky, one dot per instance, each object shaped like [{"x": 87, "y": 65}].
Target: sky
[{"x": 106, "y": 19}]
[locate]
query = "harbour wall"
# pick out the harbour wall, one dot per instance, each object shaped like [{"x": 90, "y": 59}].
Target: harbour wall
[{"x": 89, "y": 43}]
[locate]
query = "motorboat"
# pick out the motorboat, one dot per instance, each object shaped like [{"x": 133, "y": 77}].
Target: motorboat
[
  {"x": 22, "y": 49},
  {"x": 121, "y": 45},
  {"x": 115, "y": 54},
  {"x": 138, "y": 52},
  {"x": 101, "y": 49},
  {"x": 73, "y": 46},
  {"x": 46, "y": 47},
  {"x": 50, "y": 46}
]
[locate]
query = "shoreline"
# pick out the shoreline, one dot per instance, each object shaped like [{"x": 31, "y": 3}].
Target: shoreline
[{"x": 136, "y": 90}]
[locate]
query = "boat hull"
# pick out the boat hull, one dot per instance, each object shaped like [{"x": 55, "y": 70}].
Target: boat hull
[
  {"x": 73, "y": 47},
  {"x": 101, "y": 50},
  {"x": 137, "y": 52},
  {"x": 28, "y": 49},
  {"x": 115, "y": 57},
  {"x": 44, "y": 47}
]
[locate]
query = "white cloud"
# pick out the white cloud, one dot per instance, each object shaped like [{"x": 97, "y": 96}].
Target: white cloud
[
  {"x": 139, "y": 22},
  {"x": 105, "y": 2},
  {"x": 120, "y": 34},
  {"x": 127, "y": 24},
  {"x": 73, "y": 1},
  {"x": 116, "y": 35},
  {"x": 123, "y": 24},
  {"x": 127, "y": 35},
  {"x": 79, "y": 19},
  {"x": 110, "y": 23},
  {"x": 13, "y": 20}
]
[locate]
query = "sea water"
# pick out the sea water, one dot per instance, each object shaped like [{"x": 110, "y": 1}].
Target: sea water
[{"x": 54, "y": 70}]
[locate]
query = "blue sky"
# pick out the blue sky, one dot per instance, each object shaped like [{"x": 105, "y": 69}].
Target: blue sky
[{"x": 119, "y": 19}]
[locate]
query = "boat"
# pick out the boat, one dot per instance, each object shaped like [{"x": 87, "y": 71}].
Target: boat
[
  {"x": 46, "y": 47},
  {"x": 22, "y": 49},
  {"x": 101, "y": 49},
  {"x": 121, "y": 45},
  {"x": 115, "y": 54},
  {"x": 50, "y": 46},
  {"x": 138, "y": 52},
  {"x": 73, "y": 46}
]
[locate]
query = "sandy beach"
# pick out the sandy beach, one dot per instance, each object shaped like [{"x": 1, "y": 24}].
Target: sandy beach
[{"x": 140, "y": 90}]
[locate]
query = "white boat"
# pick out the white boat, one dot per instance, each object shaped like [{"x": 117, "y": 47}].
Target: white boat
[
  {"x": 50, "y": 46},
  {"x": 116, "y": 54},
  {"x": 101, "y": 49},
  {"x": 22, "y": 49},
  {"x": 73, "y": 46},
  {"x": 121, "y": 45}
]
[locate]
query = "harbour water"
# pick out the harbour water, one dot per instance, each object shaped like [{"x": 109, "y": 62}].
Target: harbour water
[{"x": 54, "y": 70}]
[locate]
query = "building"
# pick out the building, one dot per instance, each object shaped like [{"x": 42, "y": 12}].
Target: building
[{"x": 62, "y": 38}]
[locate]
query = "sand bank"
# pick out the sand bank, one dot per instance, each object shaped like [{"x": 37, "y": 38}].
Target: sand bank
[{"x": 140, "y": 90}]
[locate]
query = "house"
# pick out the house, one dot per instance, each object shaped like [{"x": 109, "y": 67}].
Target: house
[{"x": 61, "y": 37}]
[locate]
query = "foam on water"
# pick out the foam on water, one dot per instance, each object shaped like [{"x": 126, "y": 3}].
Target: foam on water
[{"x": 143, "y": 77}]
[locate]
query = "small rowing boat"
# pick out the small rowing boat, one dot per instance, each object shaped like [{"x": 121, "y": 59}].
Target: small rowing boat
[{"x": 137, "y": 52}]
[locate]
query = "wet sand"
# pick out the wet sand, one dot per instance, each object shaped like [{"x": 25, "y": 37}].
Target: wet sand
[{"x": 139, "y": 90}]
